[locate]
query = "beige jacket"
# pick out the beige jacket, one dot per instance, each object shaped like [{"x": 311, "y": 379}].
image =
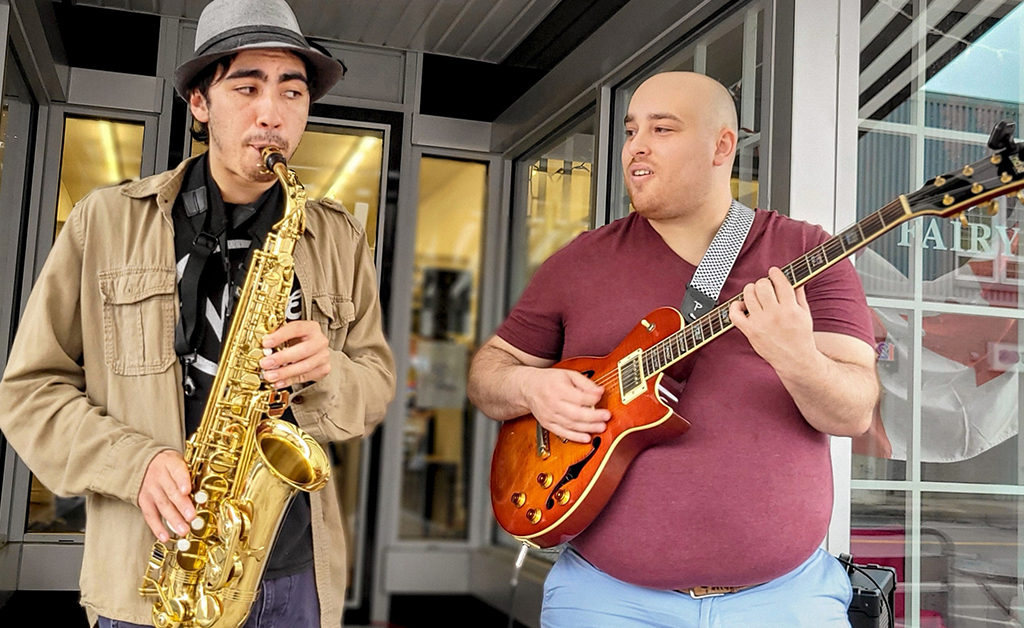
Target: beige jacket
[{"x": 92, "y": 390}]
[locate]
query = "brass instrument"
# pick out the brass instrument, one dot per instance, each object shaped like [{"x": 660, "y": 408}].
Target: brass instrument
[{"x": 245, "y": 462}]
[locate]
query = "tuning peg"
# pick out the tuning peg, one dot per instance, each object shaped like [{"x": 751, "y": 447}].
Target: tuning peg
[
  {"x": 992, "y": 207},
  {"x": 1020, "y": 197},
  {"x": 1002, "y": 136},
  {"x": 963, "y": 220}
]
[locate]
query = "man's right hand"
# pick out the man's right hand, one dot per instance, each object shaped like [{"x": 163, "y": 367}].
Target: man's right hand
[
  {"x": 563, "y": 402},
  {"x": 165, "y": 495}
]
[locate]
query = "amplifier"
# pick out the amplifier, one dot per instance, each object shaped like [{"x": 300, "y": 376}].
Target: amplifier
[{"x": 874, "y": 592}]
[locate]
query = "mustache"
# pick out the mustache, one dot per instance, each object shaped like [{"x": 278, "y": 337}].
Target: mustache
[{"x": 272, "y": 139}]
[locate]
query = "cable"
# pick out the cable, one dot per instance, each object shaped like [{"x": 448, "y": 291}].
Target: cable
[
  {"x": 520, "y": 559},
  {"x": 847, "y": 560}
]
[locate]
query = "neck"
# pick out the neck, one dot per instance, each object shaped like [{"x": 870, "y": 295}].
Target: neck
[
  {"x": 235, "y": 188},
  {"x": 689, "y": 234}
]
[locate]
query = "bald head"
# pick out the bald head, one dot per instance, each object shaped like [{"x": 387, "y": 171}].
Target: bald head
[
  {"x": 680, "y": 146},
  {"x": 708, "y": 102}
]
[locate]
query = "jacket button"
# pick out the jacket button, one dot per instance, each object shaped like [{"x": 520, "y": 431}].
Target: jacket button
[{"x": 298, "y": 400}]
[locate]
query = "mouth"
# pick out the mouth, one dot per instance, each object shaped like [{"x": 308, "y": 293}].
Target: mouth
[{"x": 639, "y": 173}]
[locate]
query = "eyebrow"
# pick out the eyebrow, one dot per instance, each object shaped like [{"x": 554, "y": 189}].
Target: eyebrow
[
  {"x": 261, "y": 75},
  {"x": 654, "y": 116}
]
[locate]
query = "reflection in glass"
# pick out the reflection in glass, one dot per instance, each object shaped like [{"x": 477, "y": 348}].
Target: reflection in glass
[
  {"x": 554, "y": 183},
  {"x": 883, "y": 161},
  {"x": 969, "y": 410},
  {"x": 96, "y": 153},
  {"x": 881, "y": 453},
  {"x": 878, "y": 536},
  {"x": 438, "y": 428},
  {"x": 935, "y": 77},
  {"x": 342, "y": 163},
  {"x": 976, "y": 565}
]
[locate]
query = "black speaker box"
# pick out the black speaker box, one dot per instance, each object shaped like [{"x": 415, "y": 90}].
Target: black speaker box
[{"x": 871, "y": 607}]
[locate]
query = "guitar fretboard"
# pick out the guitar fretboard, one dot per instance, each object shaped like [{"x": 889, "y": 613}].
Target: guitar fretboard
[{"x": 716, "y": 322}]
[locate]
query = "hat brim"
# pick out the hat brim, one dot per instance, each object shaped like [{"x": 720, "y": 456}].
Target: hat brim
[{"x": 328, "y": 70}]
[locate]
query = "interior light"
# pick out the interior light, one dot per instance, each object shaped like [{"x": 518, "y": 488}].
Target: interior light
[
  {"x": 110, "y": 150},
  {"x": 365, "y": 145}
]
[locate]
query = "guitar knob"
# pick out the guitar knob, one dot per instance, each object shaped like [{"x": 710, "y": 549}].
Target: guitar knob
[
  {"x": 533, "y": 515},
  {"x": 519, "y": 499},
  {"x": 545, "y": 479},
  {"x": 562, "y": 496}
]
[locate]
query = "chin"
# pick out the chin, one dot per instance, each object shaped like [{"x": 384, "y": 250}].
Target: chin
[{"x": 257, "y": 174}]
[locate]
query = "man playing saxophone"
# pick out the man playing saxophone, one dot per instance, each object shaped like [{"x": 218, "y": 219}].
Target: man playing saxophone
[{"x": 118, "y": 347}]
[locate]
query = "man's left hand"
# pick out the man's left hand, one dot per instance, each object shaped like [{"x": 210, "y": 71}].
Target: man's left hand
[
  {"x": 776, "y": 320},
  {"x": 305, "y": 356}
]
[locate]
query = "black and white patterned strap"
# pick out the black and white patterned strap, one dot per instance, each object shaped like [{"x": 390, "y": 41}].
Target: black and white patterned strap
[{"x": 703, "y": 290}]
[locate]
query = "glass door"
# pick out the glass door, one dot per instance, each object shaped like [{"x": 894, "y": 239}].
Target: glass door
[
  {"x": 95, "y": 152},
  {"x": 18, "y": 113}
]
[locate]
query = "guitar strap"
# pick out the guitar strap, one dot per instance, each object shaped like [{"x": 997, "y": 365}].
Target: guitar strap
[{"x": 705, "y": 286}]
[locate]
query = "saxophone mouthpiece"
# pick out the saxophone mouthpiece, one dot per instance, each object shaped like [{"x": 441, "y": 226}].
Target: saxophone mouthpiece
[{"x": 272, "y": 156}]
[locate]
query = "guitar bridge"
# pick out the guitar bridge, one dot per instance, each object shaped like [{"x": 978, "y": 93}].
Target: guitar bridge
[{"x": 632, "y": 382}]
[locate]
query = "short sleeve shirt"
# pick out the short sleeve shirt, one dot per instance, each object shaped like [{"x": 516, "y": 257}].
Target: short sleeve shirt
[{"x": 746, "y": 494}]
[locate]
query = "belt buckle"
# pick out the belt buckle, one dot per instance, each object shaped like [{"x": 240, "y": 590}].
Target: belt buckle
[{"x": 699, "y": 593}]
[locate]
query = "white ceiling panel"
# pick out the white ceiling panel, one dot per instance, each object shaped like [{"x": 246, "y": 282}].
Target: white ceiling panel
[{"x": 486, "y": 30}]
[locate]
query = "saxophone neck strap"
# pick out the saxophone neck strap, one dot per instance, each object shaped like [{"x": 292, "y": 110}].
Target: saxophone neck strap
[
  {"x": 705, "y": 286},
  {"x": 208, "y": 222}
]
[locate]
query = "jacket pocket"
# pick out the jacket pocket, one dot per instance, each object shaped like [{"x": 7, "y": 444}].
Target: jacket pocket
[
  {"x": 334, "y": 313},
  {"x": 138, "y": 320}
]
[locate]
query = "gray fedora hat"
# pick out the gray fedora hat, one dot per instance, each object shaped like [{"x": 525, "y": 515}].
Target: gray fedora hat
[{"x": 229, "y": 26}]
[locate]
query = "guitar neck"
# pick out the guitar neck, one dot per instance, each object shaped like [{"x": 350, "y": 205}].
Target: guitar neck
[{"x": 692, "y": 337}]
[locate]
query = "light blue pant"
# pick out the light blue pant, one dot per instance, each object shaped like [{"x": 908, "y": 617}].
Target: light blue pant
[{"x": 814, "y": 595}]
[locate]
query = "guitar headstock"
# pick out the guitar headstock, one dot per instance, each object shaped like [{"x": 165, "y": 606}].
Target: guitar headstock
[{"x": 980, "y": 183}]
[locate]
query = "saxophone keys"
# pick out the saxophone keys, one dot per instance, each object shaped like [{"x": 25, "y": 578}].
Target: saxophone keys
[
  {"x": 201, "y": 497},
  {"x": 208, "y": 610}
]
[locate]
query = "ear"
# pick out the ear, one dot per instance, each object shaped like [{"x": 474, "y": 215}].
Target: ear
[
  {"x": 200, "y": 108},
  {"x": 725, "y": 149}
]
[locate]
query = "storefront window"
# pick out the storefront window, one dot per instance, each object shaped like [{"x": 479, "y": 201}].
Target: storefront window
[
  {"x": 937, "y": 480},
  {"x": 438, "y": 432},
  {"x": 96, "y": 152},
  {"x": 554, "y": 199}
]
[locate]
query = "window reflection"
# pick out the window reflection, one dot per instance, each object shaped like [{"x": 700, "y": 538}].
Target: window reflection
[
  {"x": 554, "y": 199},
  {"x": 438, "y": 427},
  {"x": 96, "y": 152},
  {"x": 934, "y": 78},
  {"x": 881, "y": 453}
]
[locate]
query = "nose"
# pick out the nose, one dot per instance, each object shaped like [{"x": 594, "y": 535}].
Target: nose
[
  {"x": 269, "y": 110},
  {"x": 637, "y": 145}
]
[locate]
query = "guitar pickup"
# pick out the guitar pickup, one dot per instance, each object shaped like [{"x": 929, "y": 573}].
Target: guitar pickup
[{"x": 632, "y": 382}]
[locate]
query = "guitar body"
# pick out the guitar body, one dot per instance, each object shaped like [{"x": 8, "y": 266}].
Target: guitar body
[{"x": 545, "y": 491}]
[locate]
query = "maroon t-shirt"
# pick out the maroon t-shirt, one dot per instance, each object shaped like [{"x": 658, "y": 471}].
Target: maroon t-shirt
[{"x": 745, "y": 495}]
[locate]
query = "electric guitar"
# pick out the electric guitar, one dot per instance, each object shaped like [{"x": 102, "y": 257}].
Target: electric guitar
[{"x": 545, "y": 491}]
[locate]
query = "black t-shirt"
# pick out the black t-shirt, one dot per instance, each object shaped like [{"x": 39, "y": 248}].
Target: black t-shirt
[{"x": 245, "y": 227}]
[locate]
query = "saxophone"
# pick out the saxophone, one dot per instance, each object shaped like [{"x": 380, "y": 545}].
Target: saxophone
[{"x": 245, "y": 462}]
